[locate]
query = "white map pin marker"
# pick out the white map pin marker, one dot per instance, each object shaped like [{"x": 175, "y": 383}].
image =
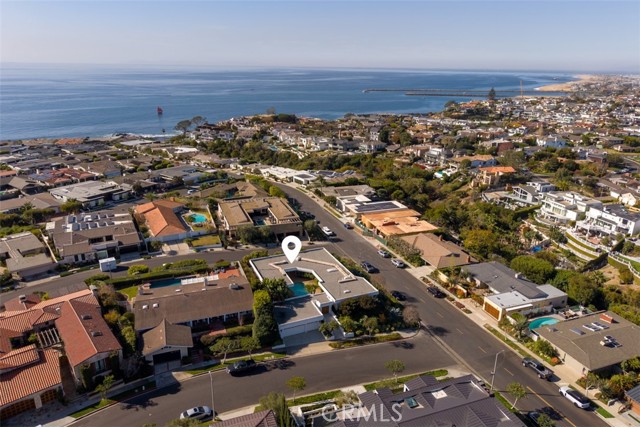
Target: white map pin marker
[{"x": 291, "y": 254}]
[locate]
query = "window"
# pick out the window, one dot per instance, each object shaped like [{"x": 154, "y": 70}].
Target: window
[{"x": 100, "y": 365}]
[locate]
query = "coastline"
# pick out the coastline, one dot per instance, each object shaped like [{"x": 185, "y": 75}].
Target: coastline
[{"x": 568, "y": 86}]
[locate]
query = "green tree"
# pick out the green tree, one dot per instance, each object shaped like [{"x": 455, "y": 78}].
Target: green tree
[
  {"x": 582, "y": 290},
  {"x": 223, "y": 346},
  {"x": 277, "y": 288},
  {"x": 137, "y": 269},
  {"x": 518, "y": 392},
  {"x": 129, "y": 335},
  {"x": 276, "y": 192},
  {"x": 198, "y": 121},
  {"x": 327, "y": 328},
  {"x": 371, "y": 324},
  {"x": 395, "y": 366},
  {"x": 183, "y": 126},
  {"x": 491, "y": 96},
  {"x": 520, "y": 325},
  {"x": 106, "y": 385},
  {"x": 545, "y": 348},
  {"x": 535, "y": 269},
  {"x": 626, "y": 276},
  {"x": 545, "y": 420},
  {"x": 278, "y": 404},
  {"x": 481, "y": 242},
  {"x": 249, "y": 344},
  {"x": 631, "y": 365},
  {"x": 410, "y": 316},
  {"x": 296, "y": 384},
  {"x": 71, "y": 206}
]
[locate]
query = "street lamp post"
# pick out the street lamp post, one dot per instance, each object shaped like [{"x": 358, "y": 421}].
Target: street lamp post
[
  {"x": 213, "y": 408},
  {"x": 495, "y": 366}
]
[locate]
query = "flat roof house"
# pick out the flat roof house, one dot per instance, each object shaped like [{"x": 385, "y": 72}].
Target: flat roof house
[
  {"x": 303, "y": 312},
  {"x": 565, "y": 206},
  {"x": 593, "y": 342},
  {"x": 512, "y": 292},
  {"x": 399, "y": 222},
  {"x": 87, "y": 237},
  {"x": 438, "y": 252},
  {"x": 271, "y": 211},
  {"x": 92, "y": 193},
  {"x": 25, "y": 255}
]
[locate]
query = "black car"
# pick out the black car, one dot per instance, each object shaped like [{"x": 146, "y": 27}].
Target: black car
[
  {"x": 539, "y": 368},
  {"x": 241, "y": 367},
  {"x": 435, "y": 292},
  {"x": 399, "y": 295},
  {"x": 348, "y": 226},
  {"x": 368, "y": 267}
]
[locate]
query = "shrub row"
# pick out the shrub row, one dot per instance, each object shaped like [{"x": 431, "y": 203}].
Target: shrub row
[{"x": 122, "y": 282}]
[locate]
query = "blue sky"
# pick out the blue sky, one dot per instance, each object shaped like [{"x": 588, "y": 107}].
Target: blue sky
[{"x": 505, "y": 35}]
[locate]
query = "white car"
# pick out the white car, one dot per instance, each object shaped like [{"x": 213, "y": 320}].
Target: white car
[
  {"x": 398, "y": 263},
  {"x": 197, "y": 413},
  {"x": 575, "y": 397},
  {"x": 327, "y": 231}
]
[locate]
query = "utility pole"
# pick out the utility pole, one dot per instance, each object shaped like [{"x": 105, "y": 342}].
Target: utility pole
[
  {"x": 493, "y": 373},
  {"x": 213, "y": 408}
]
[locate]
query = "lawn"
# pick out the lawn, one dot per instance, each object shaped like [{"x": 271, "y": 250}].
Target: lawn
[
  {"x": 603, "y": 412},
  {"x": 89, "y": 409},
  {"x": 130, "y": 292},
  {"x": 212, "y": 239},
  {"x": 257, "y": 357}
]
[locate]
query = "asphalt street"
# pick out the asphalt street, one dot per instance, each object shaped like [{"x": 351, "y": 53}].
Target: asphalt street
[{"x": 322, "y": 372}]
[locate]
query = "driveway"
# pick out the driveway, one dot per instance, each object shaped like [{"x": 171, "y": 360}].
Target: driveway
[{"x": 176, "y": 248}]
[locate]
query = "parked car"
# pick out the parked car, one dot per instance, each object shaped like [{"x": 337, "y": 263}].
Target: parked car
[
  {"x": 435, "y": 292},
  {"x": 327, "y": 231},
  {"x": 383, "y": 253},
  {"x": 197, "y": 413},
  {"x": 399, "y": 295},
  {"x": 575, "y": 397},
  {"x": 241, "y": 367},
  {"x": 348, "y": 226},
  {"x": 542, "y": 371},
  {"x": 368, "y": 267},
  {"x": 398, "y": 263}
]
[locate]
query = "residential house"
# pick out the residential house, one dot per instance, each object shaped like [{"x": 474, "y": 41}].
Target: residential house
[
  {"x": 610, "y": 220},
  {"x": 425, "y": 401},
  {"x": 25, "y": 256},
  {"x": 595, "y": 342},
  {"x": 87, "y": 237},
  {"x": 166, "y": 343},
  {"x": 551, "y": 141},
  {"x": 187, "y": 173},
  {"x": 398, "y": 222},
  {"x": 163, "y": 220},
  {"x": 303, "y": 313},
  {"x": 264, "y": 418},
  {"x": 512, "y": 292},
  {"x": 92, "y": 193},
  {"x": 102, "y": 168},
  {"x": 565, "y": 206},
  {"x": 490, "y": 176},
  {"x": 633, "y": 397},
  {"x": 477, "y": 161},
  {"x": 437, "y": 251},
  {"x": 271, "y": 211},
  {"x": 500, "y": 145}
]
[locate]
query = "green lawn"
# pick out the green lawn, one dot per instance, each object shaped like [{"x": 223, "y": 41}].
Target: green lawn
[
  {"x": 603, "y": 412},
  {"x": 212, "y": 239},
  {"x": 130, "y": 292},
  {"x": 92, "y": 408}
]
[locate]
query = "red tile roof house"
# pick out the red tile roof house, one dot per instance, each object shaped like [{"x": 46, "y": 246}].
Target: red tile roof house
[
  {"x": 162, "y": 218},
  {"x": 75, "y": 320}
]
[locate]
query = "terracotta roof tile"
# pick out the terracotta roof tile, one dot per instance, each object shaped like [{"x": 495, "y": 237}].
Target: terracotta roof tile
[
  {"x": 160, "y": 217},
  {"x": 31, "y": 379},
  {"x": 20, "y": 357}
]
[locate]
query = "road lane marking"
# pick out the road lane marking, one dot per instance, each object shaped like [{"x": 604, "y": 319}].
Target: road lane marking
[
  {"x": 421, "y": 300},
  {"x": 438, "y": 313},
  {"x": 483, "y": 350},
  {"x": 461, "y": 333},
  {"x": 550, "y": 405},
  {"x": 508, "y": 371}
]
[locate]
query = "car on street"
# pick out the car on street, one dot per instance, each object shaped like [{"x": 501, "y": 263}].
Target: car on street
[
  {"x": 398, "y": 263},
  {"x": 241, "y": 367},
  {"x": 542, "y": 371},
  {"x": 327, "y": 231},
  {"x": 399, "y": 295},
  {"x": 383, "y": 253},
  {"x": 368, "y": 267},
  {"x": 197, "y": 413},
  {"x": 435, "y": 292},
  {"x": 348, "y": 226},
  {"x": 575, "y": 397}
]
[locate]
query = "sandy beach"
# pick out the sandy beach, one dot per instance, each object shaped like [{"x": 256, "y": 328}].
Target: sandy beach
[{"x": 568, "y": 86}]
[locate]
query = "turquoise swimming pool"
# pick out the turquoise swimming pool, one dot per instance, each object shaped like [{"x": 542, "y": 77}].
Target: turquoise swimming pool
[
  {"x": 198, "y": 218},
  {"x": 536, "y": 323},
  {"x": 298, "y": 290}
]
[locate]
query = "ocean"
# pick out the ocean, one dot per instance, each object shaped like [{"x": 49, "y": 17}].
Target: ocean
[{"x": 59, "y": 102}]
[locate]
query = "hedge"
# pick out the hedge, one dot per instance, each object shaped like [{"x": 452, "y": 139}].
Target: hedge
[{"x": 121, "y": 282}]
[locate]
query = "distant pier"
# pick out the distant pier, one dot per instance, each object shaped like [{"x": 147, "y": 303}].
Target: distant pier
[{"x": 462, "y": 93}]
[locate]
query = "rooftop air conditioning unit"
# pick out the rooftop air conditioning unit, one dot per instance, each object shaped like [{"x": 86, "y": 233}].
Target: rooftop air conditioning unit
[
  {"x": 234, "y": 286},
  {"x": 155, "y": 305}
]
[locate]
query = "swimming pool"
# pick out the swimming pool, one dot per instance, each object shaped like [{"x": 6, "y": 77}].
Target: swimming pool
[
  {"x": 536, "y": 323},
  {"x": 198, "y": 218},
  {"x": 298, "y": 290}
]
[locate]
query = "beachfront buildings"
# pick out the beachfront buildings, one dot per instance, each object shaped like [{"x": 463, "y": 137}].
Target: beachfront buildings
[
  {"x": 511, "y": 292},
  {"x": 87, "y": 237},
  {"x": 260, "y": 211},
  {"x": 304, "y": 312}
]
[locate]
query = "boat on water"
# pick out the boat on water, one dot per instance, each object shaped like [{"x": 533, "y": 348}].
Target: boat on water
[{"x": 160, "y": 111}]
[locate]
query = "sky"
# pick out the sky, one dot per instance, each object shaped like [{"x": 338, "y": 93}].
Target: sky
[{"x": 588, "y": 36}]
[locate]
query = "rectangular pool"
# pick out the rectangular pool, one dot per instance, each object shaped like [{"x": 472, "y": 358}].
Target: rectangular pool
[
  {"x": 166, "y": 282},
  {"x": 298, "y": 290}
]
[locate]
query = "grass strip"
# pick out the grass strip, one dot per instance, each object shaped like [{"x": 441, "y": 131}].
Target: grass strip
[
  {"x": 258, "y": 358},
  {"x": 603, "y": 412},
  {"x": 507, "y": 341},
  {"x": 94, "y": 407}
]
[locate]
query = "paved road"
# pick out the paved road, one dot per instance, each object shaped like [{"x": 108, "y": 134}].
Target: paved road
[
  {"x": 454, "y": 329},
  {"x": 322, "y": 372}
]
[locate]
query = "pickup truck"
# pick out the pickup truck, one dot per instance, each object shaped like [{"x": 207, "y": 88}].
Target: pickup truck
[{"x": 539, "y": 368}]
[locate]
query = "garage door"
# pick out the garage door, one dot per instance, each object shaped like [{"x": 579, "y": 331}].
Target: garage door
[
  {"x": 166, "y": 361},
  {"x": 298, "y": 329},
  {"x": 17, "y": 408}
]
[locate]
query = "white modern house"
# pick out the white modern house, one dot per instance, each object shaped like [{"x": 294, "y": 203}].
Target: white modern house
[
  {"x": 611, "y": 219},
  {"x": 565, "y": 206}
]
